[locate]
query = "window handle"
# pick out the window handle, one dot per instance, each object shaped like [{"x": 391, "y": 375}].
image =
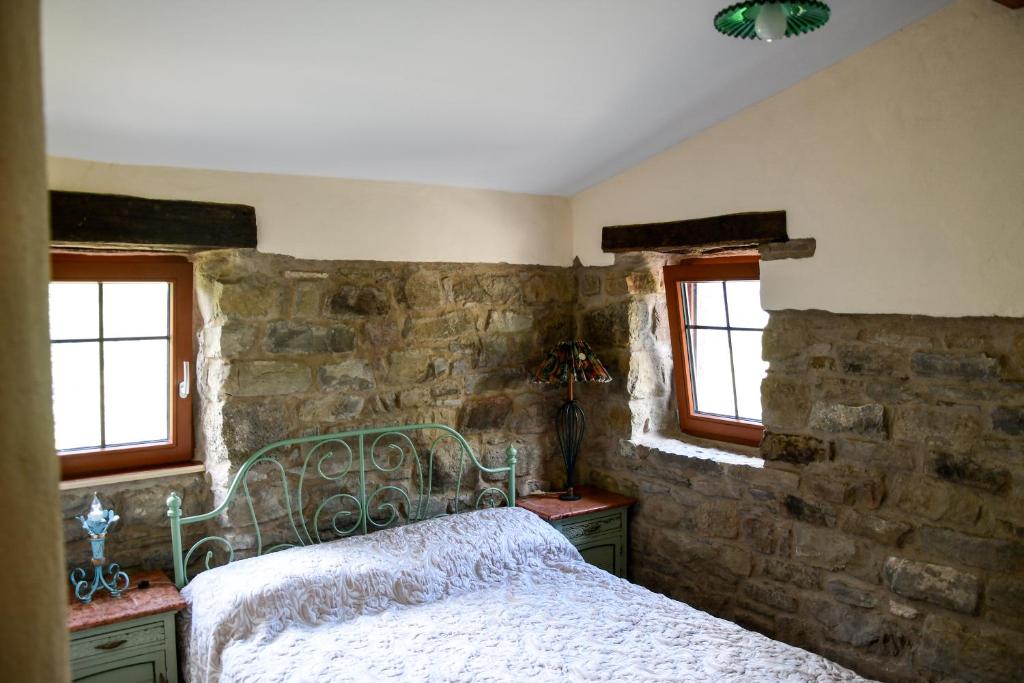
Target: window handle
[{"x": 183, "y": 385}]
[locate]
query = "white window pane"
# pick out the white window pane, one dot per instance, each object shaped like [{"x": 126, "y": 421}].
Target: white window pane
[
  {"x": 712, "y": 376},
  {"x": 745, "y": 304},
  {"x": 74, "y": 310},
  {"x": 135, "y": 309},
  {"x": 750, "y": 370},
  {"x": 705, "y": 303},
  {"x": 136, "y": 389},
  {"x": 76, "y": 394}
]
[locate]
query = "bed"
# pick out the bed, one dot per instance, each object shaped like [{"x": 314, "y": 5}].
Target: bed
[{"x": 454, "y": 586}]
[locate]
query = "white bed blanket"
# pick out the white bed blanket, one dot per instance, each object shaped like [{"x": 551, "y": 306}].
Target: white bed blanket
[{"x": 495, "y": 595}]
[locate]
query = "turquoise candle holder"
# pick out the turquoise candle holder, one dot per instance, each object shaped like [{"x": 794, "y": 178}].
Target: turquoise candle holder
[{"x": 109, "y": 577}]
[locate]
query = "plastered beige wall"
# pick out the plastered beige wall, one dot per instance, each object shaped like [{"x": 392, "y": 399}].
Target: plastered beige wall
[
  {"x": 330, "y": 218},
  {"x": 33, "y": 639},
  {"x": 904, "y": 161}
]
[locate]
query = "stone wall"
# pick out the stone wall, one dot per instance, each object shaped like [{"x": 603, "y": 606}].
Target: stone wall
[
  {"x": 884, "y": 526},
  {"x": 289, "y": 348}
]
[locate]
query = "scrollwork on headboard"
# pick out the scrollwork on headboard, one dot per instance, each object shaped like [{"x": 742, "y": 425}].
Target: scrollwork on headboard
[{"x": 336, "y": 485}]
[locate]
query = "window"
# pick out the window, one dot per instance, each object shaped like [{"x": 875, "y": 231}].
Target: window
[
  {"x": 717, "y": 322},
  {"x": 120, "y": 344}
]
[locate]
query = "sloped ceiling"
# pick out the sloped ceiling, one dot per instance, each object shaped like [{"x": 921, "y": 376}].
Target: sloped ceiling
[{"x": 542, "y": 96}]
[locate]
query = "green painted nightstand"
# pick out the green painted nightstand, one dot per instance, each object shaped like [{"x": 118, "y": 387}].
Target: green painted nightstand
[
  {"x": 130, "y": 639},
  {"x": 596, "y": 524}
]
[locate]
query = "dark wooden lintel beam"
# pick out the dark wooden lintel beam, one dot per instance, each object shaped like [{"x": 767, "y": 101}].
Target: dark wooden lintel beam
[
  {"x": 700, "y": 234},
  {"x": 84, "y": 219},
  {"x": 1012, "y": 4}
]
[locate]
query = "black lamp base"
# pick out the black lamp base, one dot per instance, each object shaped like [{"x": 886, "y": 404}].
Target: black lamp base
[{"x": 570, "y": 424}]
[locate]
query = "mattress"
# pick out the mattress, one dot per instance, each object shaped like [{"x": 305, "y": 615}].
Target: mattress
[{"x": 493, "y": 595}]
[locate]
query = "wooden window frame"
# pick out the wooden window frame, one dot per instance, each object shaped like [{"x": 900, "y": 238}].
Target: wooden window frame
[
  {"x": 139, "y": 268},
  {"x": 708, "y": 269}
]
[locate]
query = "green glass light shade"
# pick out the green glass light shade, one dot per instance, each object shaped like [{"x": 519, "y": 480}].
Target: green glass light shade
[{"x": 741, "y": 20}]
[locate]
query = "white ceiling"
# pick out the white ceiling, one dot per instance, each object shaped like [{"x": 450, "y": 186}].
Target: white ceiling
[{"x": 545, "y": 96}]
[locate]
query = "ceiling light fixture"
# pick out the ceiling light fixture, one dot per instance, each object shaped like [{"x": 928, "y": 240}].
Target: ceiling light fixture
[{"x": 771, "y": 20}]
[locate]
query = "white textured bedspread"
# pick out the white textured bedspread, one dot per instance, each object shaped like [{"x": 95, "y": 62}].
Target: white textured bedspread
[{"x": 495, "y": 595}]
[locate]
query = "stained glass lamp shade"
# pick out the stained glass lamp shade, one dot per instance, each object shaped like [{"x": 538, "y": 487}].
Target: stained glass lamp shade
[
  {"x": 566, "y": 364},
  {"x": 770, "y": 20}
]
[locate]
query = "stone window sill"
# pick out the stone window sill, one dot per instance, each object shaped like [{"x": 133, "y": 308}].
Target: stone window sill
[
  {"x": 139, "y": 475},
  {"x": 701, "y": 449}
]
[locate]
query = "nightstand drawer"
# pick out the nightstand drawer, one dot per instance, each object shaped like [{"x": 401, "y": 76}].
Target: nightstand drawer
[
  {"x": 147, "y": 635},
  {"x": 578, "y": 529}
]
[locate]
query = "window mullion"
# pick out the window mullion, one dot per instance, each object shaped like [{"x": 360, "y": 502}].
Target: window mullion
[
  {"x": 103, "y": 392},
  {"x": 732, "y": 361}
]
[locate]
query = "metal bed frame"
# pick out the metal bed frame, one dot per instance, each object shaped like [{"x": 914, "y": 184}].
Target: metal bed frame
[{"x": 382, "y": 452}]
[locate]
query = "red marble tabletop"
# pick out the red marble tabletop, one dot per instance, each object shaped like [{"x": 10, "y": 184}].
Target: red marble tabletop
[
  {"x": 592, "y": 499},
  {"x": 161, "y": 596}
]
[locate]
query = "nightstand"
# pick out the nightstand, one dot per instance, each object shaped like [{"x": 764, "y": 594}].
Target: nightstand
[
  {"x": 596, "y": 524},
  {"x": 130, "y": 639}
]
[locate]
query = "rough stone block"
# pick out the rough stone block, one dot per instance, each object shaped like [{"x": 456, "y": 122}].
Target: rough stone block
[
  {"x": 358, "y": 300},
  {"x": 1004, "y": 601},
  {"x": 487, "y": 414},
  {"x": 772, "y": 595},
  {"x": 648, "y": 377},
  {"x": 423, "y": 290},
  {"x": 988, "y": 656},
  {"x": 969, "y": 471},
  {"x": 937, "y": 584},
  {"x": 759, "y": 534},
  {"x": 588, "y": 282},
  {"x": 1008, "y": 420},
  {"x": 807, "y": 511},
  {"x": 718, "y": 520},
  {"x": 934, "y": 500},
  {"x": 614, "y": 325},
  {"x": 506, "y": 350},
  {"x": 664, "y": 511},
  {"x": 549, "y": 287},
  {"x": 307, "y": 301},
  {"x": 785, "y": 404},
  {"x": 408, "y": 366},
  {"x": 294, "y": 338},
  {"x": 330, "y": 408},
  {"x": 863, "y": 359},
  {"x": 988, "y": 553},
  {"x": 486, "y": 288},
  {"x": 844, "y": 486},
  {"x": 235, "y": 339},
  {"x": 253, "y": 298},
  {"x": 508, "y": 321},
  {"x": 875, "y": 528},
  {"x": 865, "y": 631},
  {"x": 902, "y": 610},
  {"x": 453, "y": 324},
  {"x": 955, "y": 366},
  {"x": 267, "y": 378},
  {"x": 248, "y": 426},
  {"x": 884, "y": 457},
  {"x": 954, "y": 428},
  {"x": 795, "y": 449},
  {"x": 822, "y": 547},
  {"x": 852, "y": 595},
  {"x": 796, "y": 574},
  {"x": 380, "y": 333},
  {"x": 866, "y": 420},
  {"x": 346, "y": 375}
]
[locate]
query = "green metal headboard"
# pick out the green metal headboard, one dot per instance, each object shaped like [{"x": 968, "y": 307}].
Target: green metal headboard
[{"x": 361, "y": 451}]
